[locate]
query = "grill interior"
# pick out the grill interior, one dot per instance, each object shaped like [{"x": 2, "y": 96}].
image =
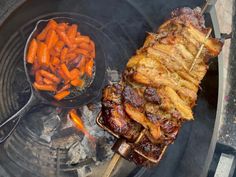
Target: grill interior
[{"x": 120, "y": 28}]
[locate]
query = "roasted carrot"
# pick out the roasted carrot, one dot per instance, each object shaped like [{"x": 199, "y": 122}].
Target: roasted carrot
[
  {"x": 65, "y": 70},
  {"x": 54, "y": 53},
  {"x": 35, "y": 67},
  {"x": 72, "y": 31},
  {"x": 71, "y": 56},
  {"x": 38, "y": 77},
  {"x": 85, "y": 46},
  {"x": 50, "y": 76},
  {"x": 80, "y": 39},
  {"x": 55, "y": 61},
  {"x": 32, "y": 51},
  {"x": 63, "y": 54},
  {"x": 47, "y": 81},
  {"x": 78, "y": 34},
  {"x": 44, "y": 87},
  {"x": 89, "y": 68},
  {"x": 51, "y": 38},
  {"x": 65, "y": 87},
  {"x": 59, "y": 45},
  {"x": 77, "y": 82},
  {"x": 61, "y": 95},
  {"x": 52, "y": 68},
  {"x": 75, "y": 73},
  {"x": 63, "y": 76},
  {"x": 62, "y": 26},
  {"x": 43, "y": 54},
  {"x": 52, "y": 24},
  {"x": 62, "y": 35},
  {"x": 82, "y": 52}
]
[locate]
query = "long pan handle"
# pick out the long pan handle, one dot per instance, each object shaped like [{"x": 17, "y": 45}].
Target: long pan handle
[{"x": 8, "y": 126}]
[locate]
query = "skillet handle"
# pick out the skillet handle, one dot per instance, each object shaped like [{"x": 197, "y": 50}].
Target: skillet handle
[{"x": 8, "y": 126}]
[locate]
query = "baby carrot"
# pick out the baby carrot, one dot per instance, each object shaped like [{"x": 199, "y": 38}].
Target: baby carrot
[
  {"x": 63, "y": 76},
  {"x": 63, "y": 54},
  {"x": 72, "y": 31},
  {"x": 61, "y": 95},
  {"x": 32, "y": 51},
  {"x": 54, "y": 53},
  {"x": 44, "y": 87},
  {"x": 50, "y": 76},
  {"x": 71, "y": 56},
  {"x": 52, "y": 24},
  {"x": 55, "y": 61},
  {"x": 80, "y": 39},
  {"x": 62, "y": 35},
  {"x": 47, "y": 81},
  {"x": 75, "y": 73},
  {"x": 65, "y": 70},
  {"x": 59, "y": 45},
  {"x": 62, "y": 26},
  {"x": 51, "y": 38},
  {"x": 89, "y": 68},
  {"x": 82, "y": 52},
  {"x": 38, "y": 77},
  {"x": 85, "y": 46},
  {"x": 77, "y": 82},
  {"x": 43, "y": 54}
]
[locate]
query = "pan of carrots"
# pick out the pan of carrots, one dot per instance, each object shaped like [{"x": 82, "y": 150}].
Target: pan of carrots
[{"x": 64, "y": 65}]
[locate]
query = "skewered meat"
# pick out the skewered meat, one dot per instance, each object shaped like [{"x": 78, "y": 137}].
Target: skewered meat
[{"x": 160, "y": 84}]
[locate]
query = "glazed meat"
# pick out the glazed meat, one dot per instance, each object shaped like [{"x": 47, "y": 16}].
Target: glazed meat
[{"x": 160, "y": 84}]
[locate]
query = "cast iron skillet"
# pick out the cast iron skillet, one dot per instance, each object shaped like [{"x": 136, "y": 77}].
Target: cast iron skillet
[{"x": 37, "y": 97}]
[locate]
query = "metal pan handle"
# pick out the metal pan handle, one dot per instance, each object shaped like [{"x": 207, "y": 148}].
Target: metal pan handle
[{"x": 8, "y": 126}]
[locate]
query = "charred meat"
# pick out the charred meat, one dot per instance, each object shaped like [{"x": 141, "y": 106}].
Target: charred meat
[{"x": 158, "y": 89}]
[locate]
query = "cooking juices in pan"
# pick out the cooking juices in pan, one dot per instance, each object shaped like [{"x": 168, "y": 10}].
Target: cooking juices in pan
[{"x": 62, "y": 60}]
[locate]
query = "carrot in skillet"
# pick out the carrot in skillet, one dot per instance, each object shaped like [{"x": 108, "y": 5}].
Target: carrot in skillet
[
  {"x": 51, "y": 38},
  {"x": 50, "y": 76},
  {"x": 47, "y": 81},
  {"x": 71, "y": 56},
  {"x": 80, "y": 39},
  {"x": 89, "y": 68},
  {"x": 62, "y": 26},
  {"x": 43, "y": 54},
  {"x": 52, "y": 24},
  {"x": 63, "y": 76},
  {"x": 77, "y": 82},
  {"x": 82, "y": 52},
  {"x": 85, "y": 46},
  {"x": 65, "y": 87},
  {"x": 52, "y": 68},
  {"x": 65, "y": 70},
  {"x": 59, "y": 45},
  {"x": 63, "y": 54},
  {"x": 61, "y": 95},
  {"x": 62, "y": 35},
  {"x": 31, "y": 55},
  {"x": 75, "y": 73},
  {"x": 54, "y": 53},
  {"x": 55, "y": 61},
  {"x": 38, "y": 77},
  {"x": 44, "y": 87},
  {"x": 72, "y": 31}
]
